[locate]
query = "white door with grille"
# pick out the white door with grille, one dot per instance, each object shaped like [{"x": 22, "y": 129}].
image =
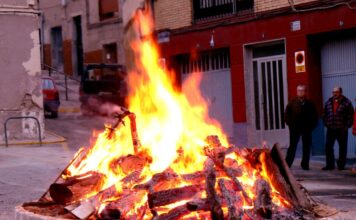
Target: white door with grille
[
  {"x": 215, "y": 85},
  {"x": 338, "y": 64},
  {"x": 270, "y": 99}
]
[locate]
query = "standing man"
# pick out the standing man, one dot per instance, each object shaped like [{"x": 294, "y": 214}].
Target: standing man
[
  {"x": 338, "y": 118},
  {"x": 301, "y": 117},
  {"x": 354, "y": 126}
]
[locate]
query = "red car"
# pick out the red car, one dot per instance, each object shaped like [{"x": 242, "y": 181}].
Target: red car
[{"x": 50, "y": 97}]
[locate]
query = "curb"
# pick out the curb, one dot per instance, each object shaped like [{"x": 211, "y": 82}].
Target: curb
[
  {"x": 69, "y": 110},
  {"x": 58, "y": 139}
]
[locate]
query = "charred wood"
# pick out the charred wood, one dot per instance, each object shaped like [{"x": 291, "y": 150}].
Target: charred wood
[
  {"x": 231, "y": 200},
  {"x": 263, "y": 201},
  {"x": 199, "y": 204},
  {"x": 169, "y": 196},
  {"x": 74, "y": 187},
  {"x": 174, "y": 214},
  {"x": 158, "y": 179},
  {"x": 210, "y": 180}
]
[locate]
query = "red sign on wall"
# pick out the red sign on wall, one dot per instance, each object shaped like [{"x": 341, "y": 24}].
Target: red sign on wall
[{"x": 299, "y": 58}]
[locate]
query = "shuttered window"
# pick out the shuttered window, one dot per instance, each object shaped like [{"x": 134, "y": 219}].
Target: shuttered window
[
  {"x": 206, "y": 61},
  {"x": 108, "y": 9}
]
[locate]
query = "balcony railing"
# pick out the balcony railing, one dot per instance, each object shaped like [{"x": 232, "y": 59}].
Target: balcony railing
[{"x": 210, "y": 9}]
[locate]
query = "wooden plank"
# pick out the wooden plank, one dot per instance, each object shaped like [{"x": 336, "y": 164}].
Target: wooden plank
[{"x": 278, "y": 158}]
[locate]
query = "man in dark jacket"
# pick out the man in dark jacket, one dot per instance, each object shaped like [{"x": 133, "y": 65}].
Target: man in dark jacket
[
  {"x": 338, "y": 118},
  {"x": 301, "y": 117}
]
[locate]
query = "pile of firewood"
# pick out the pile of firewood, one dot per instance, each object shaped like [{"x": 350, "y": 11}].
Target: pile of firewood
[
  {"x": 212, "y": 193},
  {"x": 215, "y": 192}
]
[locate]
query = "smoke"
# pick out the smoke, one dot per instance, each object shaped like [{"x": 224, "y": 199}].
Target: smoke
[{"x": 109, "y": 109}]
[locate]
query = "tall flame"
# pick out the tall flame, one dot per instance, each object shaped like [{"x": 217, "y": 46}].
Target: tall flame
[
  {"x": 167, "y": 119},
  {"x": 172, "y": 126}
]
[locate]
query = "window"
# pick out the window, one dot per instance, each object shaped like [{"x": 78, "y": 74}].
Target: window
[
  {"x": 207, "y": 9},
  {"x": 206, "y": 61},
  {"x": 110, "y": 53},
  {"x": 108, "y": 9},
  {"x": 47, "y": 84}
]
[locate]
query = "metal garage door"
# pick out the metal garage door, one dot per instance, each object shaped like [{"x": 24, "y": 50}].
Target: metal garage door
[
  {"x": 215, "y": 85},
  {"x": 338, "y": 62}
]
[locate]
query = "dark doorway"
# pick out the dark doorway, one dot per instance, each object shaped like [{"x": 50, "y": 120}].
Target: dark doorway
[
  {"x": 78, "y": 45},
  {"x": 57, "y": 48}
]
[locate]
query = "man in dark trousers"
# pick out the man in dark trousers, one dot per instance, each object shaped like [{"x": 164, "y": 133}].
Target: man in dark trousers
[
  {"x": 301, "y": 117},
  {"x": 338, "y": 118}
]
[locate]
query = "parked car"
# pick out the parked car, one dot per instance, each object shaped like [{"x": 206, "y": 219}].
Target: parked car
[
  {"x": 50, "y": 97},
  {"x": 102, "y": 88}
]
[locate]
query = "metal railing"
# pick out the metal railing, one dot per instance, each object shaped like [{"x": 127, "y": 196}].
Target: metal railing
[
  {"x": 207, "y": 9},
  {"x": 24, "y": 117}
]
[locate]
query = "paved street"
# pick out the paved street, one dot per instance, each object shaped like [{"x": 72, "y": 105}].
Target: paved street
[
  {"x": 27, "y": 171},
  {"x": 77, "y": 129}
]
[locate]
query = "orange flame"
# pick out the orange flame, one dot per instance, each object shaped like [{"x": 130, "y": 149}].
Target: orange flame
[{"x": 172, "y": 126}]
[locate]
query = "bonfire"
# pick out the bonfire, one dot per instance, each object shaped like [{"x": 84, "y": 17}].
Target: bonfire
[{"x": 165, "y": 158}]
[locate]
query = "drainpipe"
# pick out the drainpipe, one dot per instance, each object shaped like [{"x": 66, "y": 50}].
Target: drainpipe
[{"x": 42, "y": 23}]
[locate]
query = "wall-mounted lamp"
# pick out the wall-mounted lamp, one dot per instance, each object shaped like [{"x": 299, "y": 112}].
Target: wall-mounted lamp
[{"x": 212, "y": 42}]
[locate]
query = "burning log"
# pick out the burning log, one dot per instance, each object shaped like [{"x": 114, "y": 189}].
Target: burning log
[
  {"x": 130, "y": 203},
  {"x": 210, "y": 180},
  {"x": 132, "y": 178},
  {"x": 157, "y": 180},
  {"x": 78, "y": 157},
  {"x": 129, "y": 163},
  {"x": 277, "y": 180},
  {"x": 217, "y": 155},
  {"x": 231, "y": 200},
  {"x": 174, "y": 214},
  {"x": 193, "y": 177},
  {"x": 198, "y": 205},
  {"x": 169, "y": 196},
  {"x": 180, "y": 211},
  {"x": 263, "y": 201},
  {"x": 300, "y": 196},
  {"x": 109, "y": 213},
  {"x": 62, "y": 194},
  {"x": 238, "y": 185},
  {"x": 134, "y": 135},
  {"x": 120, "y": 120}
]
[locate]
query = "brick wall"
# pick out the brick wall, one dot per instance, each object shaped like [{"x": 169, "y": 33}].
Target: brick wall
[
  {"x": 172, "y": 14},
  {"x": 266, "y": 5}
]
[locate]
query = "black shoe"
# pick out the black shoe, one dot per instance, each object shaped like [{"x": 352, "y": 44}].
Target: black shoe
[
  {"x": 341, "y": 168},
  {"x": 328, "y": 168}
]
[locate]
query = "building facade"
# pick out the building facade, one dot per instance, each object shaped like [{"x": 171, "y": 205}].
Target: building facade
[
  {"x": 81, "y": 31},
  {"x": 20, "y": 65},
  {"x": 253, "y": 54}
]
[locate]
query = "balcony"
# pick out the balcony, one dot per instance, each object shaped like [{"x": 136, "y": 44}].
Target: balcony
[{"x": 213, "y": 9}]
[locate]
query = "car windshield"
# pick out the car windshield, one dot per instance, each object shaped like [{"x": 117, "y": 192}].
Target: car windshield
[
  {"x": 104, "y": 73},
  {"x": 47, "y": 84}
]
